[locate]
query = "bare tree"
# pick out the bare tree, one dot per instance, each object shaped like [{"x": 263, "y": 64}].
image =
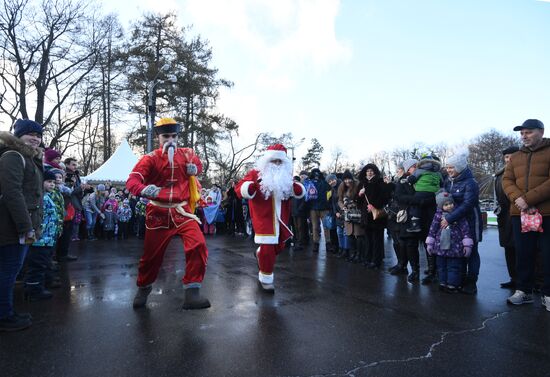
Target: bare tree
[{"x": 55, "y": 52}]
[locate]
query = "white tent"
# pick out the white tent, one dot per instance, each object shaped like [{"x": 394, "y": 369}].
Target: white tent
[{"x": 117, "y": 167}]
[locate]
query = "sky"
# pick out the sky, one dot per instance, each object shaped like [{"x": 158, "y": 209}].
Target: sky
[{"x": 372, "y": 75}]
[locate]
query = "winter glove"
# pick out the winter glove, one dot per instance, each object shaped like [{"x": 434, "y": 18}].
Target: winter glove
[
  {"x": 150, "y": 191},
  {"x": 192, "y": 169}
]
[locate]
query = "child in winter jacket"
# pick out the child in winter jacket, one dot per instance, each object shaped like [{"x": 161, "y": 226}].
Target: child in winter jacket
[
  {"x": 140, "y": 217},
  {"x": 124, "y": 215},
  {"x": 109, "y": 221},
  {"x": 452, "y": 245},
  {"x": 40, "y": 255},
  {"x": 427, "y": 180}
]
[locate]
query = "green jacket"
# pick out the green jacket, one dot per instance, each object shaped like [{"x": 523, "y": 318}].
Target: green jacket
[
  {"x": 428, "y": 182},
  {"x": 20, "y": 189}
]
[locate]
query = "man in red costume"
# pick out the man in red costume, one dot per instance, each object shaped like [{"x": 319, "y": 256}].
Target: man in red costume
[
  {"x": 268, "y": 188},
  {"x": 167, "y": 177}
]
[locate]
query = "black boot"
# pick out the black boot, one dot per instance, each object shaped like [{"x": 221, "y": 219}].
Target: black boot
[
  {"x": 414, "y": 276},
  {"x": 36, "y": 292},
  {"x": 351, "y": 255},
  {"x": 140, "y": 298},
  {"x": 194, "y": 300},
  {"x": 14, "y": 323},
  {"x": 345, "y": 254},
  {"x": 470, "y": 286},
  {"x": 431, "y": 276},
  {"x": 415, "y": 225},
  {"x": 315, "y": 247}
]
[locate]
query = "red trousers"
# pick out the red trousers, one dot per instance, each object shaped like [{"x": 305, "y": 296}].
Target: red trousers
[
  {"x": 267, "y": 255},
  {"x": 156, "y": 242}
]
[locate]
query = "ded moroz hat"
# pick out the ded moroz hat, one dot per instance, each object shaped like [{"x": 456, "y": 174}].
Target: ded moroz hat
[{"x": 167, "y": 126}]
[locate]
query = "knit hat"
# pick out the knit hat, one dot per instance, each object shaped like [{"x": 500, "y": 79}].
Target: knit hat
[
  {"x": 101, "y": 187},
  {"x": 347, "y": 175},
  {"x": 442, "y": 198},
  {"x": 49, "y": 176},
  {"x": 407, "y": 164},
  {"x": 510, "y": 150},
  {"x": 297, "y": 178},
  {"x": 331, "y": 177},
  {"x": 51, "y": 154},
  {"x": 56, "y": 171},
  {"x": 26, "y": 126},
  {"x": 459, "y": 161}
]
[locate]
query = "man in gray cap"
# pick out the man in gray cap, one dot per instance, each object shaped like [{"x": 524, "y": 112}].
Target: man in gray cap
[{"x": 526, "y": 182}]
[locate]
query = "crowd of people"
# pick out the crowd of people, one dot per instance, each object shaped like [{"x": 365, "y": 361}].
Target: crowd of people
[{"x": 425, "y": 207}]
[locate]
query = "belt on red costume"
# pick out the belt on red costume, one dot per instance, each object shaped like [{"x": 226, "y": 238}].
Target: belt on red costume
[{"x": 179, "y": 209}]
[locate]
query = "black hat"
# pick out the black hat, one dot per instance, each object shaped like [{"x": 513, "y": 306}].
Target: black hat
[
  {"x": 297, "y": 178},
  {"x": 49, "y": 175},
  {"x": 530, "y": 124},
  {"x": 510, "y": 150},
  {"x": 26, "y": 126},
  {"x": 347, "y": 175}
]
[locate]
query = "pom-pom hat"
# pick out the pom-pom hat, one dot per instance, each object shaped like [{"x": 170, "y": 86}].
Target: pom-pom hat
[{"x": 442, "y": 198}]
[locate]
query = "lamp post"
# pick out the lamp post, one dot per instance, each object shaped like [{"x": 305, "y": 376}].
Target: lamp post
[{"x": 152, "y": 106}]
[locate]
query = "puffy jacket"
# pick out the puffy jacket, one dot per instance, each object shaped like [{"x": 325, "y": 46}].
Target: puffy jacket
[
  {"x": 465, "y": 192},
  {"x": 527, "y": 175},
  {"x": 21, "y": 192}
]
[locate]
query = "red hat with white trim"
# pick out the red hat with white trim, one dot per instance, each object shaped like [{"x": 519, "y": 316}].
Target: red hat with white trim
[{"x": 276, "y": 151}]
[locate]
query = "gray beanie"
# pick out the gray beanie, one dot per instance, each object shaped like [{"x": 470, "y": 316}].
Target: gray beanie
[
  {"x": 101, "y": 187},
  {"x": 408, "y": 163},
  {"x": 443, "y": 197},
  {"x": 459, "y": 161},
  {"x": 331, "y": 177}
]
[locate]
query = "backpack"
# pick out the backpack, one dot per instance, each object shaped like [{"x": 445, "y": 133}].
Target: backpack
[{"x": 311, "y": 191}]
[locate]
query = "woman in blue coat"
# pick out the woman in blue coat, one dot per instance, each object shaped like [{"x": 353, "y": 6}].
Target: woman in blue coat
[{"x": 463, "y": 187}]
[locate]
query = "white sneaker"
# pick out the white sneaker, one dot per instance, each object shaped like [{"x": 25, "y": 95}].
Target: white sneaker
[
  {"x": 520, "y": 298},
  {"x": 546, "y": 302}
]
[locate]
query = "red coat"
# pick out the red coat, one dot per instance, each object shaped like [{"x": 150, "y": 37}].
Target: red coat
[
  {"x": 269, "y": 216},
  {"x": 154, "y": 168}
]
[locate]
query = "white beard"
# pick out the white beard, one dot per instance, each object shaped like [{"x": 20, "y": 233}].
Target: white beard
[
  {"x": 276, "y": 179},
  {"x": 170, "y": 148}
]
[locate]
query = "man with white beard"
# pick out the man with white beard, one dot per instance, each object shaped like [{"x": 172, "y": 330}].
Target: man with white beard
[{"x": 268, "y": 188}]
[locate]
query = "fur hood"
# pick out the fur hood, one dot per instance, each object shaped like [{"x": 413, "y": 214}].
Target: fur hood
[{"x": 9, "y": 142}]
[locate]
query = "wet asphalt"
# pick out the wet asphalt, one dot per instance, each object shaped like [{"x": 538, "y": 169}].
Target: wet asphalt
[{"x": 327, "y": 318}]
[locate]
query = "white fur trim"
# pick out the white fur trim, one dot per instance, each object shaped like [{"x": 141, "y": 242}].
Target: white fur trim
[
  {"x": 244, "y": 190},
  {"x": 274, "y": 155},
  {"x": 265, "y": 278},
  {"x": 303, "y": 191}
]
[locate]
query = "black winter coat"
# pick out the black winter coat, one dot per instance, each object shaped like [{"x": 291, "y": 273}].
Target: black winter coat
[
  {"x": 378, "y": 193},
  {"x": 405, "y": 197}
]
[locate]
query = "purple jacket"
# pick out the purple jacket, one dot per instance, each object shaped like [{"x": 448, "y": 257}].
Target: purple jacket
[{"x": 460, "y": 237}]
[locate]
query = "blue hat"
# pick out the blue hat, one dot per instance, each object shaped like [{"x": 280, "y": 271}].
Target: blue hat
[
  {"x": 530, "y": 124},
  {"x": 49, "y": 175},
  {"x": 26, "y": 126}
]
